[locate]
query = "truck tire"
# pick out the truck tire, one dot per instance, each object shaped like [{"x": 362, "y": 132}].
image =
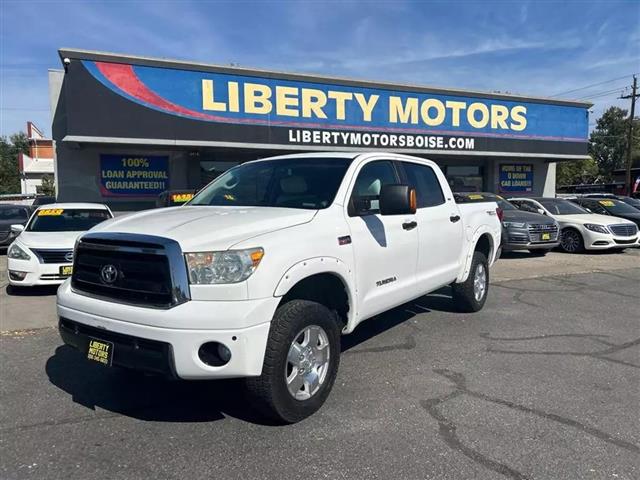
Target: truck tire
[
  {"x": 300, "y": 363},
  {"x": 470, "y": 295}
]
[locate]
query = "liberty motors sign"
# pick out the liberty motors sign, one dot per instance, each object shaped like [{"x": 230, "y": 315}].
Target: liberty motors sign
[{"x": 226, "y": 106}]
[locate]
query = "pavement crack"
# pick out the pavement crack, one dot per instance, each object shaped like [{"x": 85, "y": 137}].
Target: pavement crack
[{"x": 596, "y": 354}]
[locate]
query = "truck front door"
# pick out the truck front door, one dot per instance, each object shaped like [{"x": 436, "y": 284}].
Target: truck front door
[
  {"x": 440, "y": 231},
  {"x": 385, "y": 247}
]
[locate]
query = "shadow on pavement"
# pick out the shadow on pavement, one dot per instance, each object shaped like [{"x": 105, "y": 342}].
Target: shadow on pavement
[
  {"x": 36, "y": 291},
  {"x": 149, "y": 398},
  {"x": 154, "y": 398}
]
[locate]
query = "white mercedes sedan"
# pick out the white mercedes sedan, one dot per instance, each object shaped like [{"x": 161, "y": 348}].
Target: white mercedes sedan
[
  {"x": 42, "y": 253},
  {"x": 580, "y": 229}
]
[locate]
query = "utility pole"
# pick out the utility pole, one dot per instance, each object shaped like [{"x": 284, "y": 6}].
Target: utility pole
[{"x": 633, "y": 96}]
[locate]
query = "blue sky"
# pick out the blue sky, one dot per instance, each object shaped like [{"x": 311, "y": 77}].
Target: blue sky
[{"x": 538, "y": 48}]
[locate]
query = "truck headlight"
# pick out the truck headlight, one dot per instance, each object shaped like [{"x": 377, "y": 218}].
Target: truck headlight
[
  {"x": 18, "y": 253},
  {"x": 514, "y": 224},
  {"x": 231, "y": 266},
  {"x": 596, "y": 228}
]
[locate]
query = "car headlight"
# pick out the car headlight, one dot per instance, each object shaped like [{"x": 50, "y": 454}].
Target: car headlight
[
  {"x": 18, "y": 253},
  {"x": 231, "y": 266},
  {"x": 596, "y": 228},
  {"x": 514, "y": 224}
]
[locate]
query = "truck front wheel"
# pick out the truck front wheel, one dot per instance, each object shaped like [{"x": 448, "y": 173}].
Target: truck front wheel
[
  {"x": 300, "y": 363},
  {"x": 470, "y": 295}
]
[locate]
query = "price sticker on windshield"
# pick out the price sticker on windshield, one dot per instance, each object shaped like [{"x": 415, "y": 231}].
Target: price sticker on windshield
[
  {"x": 475, "y": 196},
  {"x": 50, "y": 212},
  {"x": 607, "y": 203},
  {"x": 181, "y": 197}
]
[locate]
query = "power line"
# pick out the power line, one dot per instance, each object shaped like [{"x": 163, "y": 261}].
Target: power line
[
  {"x": 593, "y": 85},
  {"x": 604, "y": 92}
]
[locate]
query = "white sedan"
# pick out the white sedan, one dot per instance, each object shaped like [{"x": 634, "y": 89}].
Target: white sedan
[
  {"x": 42, "y": 254},
  {"x": 581, "y": 229}
]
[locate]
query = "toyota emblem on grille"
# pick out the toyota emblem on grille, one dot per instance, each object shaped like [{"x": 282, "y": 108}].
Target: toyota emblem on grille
[
  {"x": 68, "y": 256},
  {"x": 109, "y": 274}
]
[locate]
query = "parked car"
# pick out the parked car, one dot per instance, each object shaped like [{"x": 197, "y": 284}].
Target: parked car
[
  {"x": 634, "y": 202},
  {"x": 521, "y": 230},
  {"x": 42, "y": 253},
  {"x": 42, "y": 200},
  {"x": 610, "y": 206},
  {"x": 267, "y": 265},
  {"x": 580, "y": 229},
  {"x": 11, "y": 215}
]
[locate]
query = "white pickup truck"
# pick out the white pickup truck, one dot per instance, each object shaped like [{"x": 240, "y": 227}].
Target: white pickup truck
[{"x": 259, "y": 274}]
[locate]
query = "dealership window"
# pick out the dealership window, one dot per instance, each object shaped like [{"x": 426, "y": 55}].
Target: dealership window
[{"x": 464, "y": 178}]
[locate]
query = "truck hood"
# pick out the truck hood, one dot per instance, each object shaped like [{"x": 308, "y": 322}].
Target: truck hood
[
  {"x": 202, "y": 228},
  {"x": 51, "y": 240}
]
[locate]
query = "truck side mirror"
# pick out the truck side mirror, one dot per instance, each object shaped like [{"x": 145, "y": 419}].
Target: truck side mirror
[
  {"x": 17, "y": 228},
  {"x": 397, "y": 200}
]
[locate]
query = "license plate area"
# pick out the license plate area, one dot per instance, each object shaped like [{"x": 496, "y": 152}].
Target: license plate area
[
  {"x": 545, "y": 236},
  {"x": 100, "y": 351},
  {"x": 66, "y": 270}
]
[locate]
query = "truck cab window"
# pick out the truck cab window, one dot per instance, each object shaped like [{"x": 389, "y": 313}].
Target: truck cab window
[
  {"x": 365, "y": 198},
  {"x": 424, "y": 180}
]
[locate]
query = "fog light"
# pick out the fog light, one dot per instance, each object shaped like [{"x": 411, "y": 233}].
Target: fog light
[
  {"x": 214, "y": 354},
  {"x": 18, "y": 276}
]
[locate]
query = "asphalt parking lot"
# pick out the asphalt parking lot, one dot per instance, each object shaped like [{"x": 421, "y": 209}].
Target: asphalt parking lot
[{"x": 543, "y": 383}]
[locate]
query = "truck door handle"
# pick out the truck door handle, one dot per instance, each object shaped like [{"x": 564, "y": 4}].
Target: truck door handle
[
  {"x": 409, "y": 225},
  {"x": 454, "y": 218}
]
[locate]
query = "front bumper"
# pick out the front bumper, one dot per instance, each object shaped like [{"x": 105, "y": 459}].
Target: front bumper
[
  {"x": 520, "y": 238},
  {"x": 605, "y": 241},
  {"x": 242, "y": 326},
  {"x": 36, "y": 273}
]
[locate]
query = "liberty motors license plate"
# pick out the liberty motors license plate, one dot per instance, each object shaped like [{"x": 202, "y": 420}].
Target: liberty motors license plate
[
  {"x": 66, "y": 270},
  {"x": 100, "y": 351},
  {"x": 545, "y": 236}
]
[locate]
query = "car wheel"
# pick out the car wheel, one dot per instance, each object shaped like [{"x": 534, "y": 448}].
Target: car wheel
[
  {"x": 571, "y": 241},
  {"x": 471, "y": 295},
  {"x": 538, "y": 253},
  {"x": 300, "y": 364}
]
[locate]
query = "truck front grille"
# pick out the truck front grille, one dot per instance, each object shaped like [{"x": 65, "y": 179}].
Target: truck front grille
[
  {"x": 624, "y": 229},
  {"x": 135, "y": 269}
]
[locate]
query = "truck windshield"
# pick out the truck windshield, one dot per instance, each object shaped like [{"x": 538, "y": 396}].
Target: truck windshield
[
  {"x": 303, "y": 182},
  {"x": 66, "y": 220}
]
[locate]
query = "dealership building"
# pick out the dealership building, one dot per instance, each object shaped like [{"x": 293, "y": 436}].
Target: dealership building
[{"x": 128, "y": 128}]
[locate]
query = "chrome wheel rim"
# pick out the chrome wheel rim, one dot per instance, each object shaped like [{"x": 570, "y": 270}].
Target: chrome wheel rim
[
  {"x": 570, "y": 242},
  {"x": 307, "y": 362},
  {"x": 480, "y": 282}
]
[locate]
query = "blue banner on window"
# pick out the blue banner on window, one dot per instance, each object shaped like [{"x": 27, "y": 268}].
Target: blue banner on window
[
  {"x": 133, "y": 175},
  {"x": 516, "y": 177}
]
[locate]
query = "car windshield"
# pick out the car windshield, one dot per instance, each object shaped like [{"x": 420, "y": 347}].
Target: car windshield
[
  {"x": 557, "y": 206},
  {"x": 307, "y": 182},
  {"x": 616, "y": 207},
  {"x": 464, "y": 197},
  {"x": 634, "y": 202},
  {"x": 13, "y": 213},
  {"x": 66, "y": 220}
]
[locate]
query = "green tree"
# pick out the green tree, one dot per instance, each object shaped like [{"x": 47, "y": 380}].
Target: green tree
[
  {"x": 577, "y": 172},
  {"x": 9, "y": 171},
  {"x": 608, "y": 141},
  {"x": 48, "y": 186}
]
